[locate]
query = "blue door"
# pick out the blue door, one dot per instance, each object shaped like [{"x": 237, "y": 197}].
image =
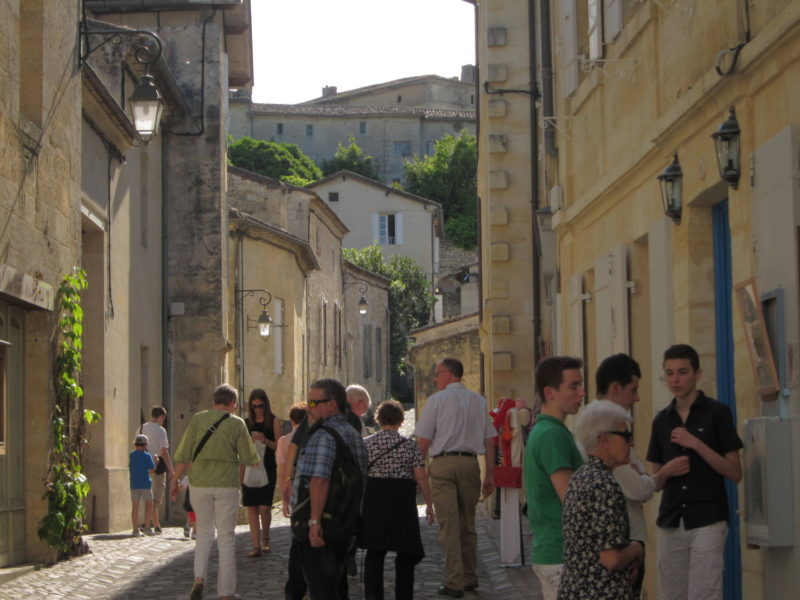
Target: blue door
[{"x": 723, "y": 294}]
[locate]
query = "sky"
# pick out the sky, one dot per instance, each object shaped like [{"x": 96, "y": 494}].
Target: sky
[{"x": 300, "y": 46}]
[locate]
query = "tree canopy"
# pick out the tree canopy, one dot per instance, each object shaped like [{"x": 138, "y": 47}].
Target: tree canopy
[
  {"x": 351, "y": 158},
  {"x": 410, "y": 297},
  {"x": 450, "y": 178},
  {"x": 279, "y": 160}
]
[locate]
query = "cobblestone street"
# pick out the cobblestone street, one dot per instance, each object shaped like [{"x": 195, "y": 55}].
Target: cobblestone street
[{"x": 160, "y": 567}]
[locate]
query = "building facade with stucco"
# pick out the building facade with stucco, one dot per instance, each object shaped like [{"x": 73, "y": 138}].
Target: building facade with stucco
[
  {"x": 628, "y": 92},
  {"x": 400, "y": 223}
]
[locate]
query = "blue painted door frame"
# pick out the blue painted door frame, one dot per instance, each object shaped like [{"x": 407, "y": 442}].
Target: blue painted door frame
[{"x": 723, "y": 294}]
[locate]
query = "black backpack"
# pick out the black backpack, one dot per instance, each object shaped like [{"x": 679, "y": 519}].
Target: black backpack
[{"x": 342, "y": 513}]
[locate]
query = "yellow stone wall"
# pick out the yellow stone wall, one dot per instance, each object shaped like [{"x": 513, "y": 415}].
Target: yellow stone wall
[{"x": 656, "y": 91}]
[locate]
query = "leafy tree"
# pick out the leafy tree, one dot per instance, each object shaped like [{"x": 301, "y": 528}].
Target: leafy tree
[
  {"x": 278, "y": 160},
  {"x": 351, "y": 158},
  {"x": 410, "y": 297},
  {"x": 450, "y": 178}
]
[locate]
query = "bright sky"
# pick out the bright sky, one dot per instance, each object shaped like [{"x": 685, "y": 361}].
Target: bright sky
[{"x": 300, "y": 46}]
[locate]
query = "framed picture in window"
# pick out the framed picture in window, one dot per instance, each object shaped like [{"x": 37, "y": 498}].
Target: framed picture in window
[{"x": 755, "y": 330}]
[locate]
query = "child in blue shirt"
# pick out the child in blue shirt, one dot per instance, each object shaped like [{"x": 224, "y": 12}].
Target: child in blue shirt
[{"x": 140, "y": 466}]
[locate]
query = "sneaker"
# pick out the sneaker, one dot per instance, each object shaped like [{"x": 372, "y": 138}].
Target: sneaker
[
  {"x": 194, "y": 535},
  {"x": 147, "y": 531},
  {"x": 135, "y": 533},
  {"x": 157, "y": 531},
  {"x": 186, "y": 531}
]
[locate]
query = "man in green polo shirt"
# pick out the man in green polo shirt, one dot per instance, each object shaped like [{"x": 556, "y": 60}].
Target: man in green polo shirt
[{"x": 551, "y": 458}]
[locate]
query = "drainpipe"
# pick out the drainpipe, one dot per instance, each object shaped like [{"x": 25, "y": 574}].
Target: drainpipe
[
  {"x": 535, "y": 172},
  {"x": 547, "y": 77},
  {"x": 166, "y": 351}
]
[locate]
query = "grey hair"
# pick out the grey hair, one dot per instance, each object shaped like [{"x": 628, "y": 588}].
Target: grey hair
[
  {"x": 359, "y": 390},
  {"x": 596, "y": 418}
]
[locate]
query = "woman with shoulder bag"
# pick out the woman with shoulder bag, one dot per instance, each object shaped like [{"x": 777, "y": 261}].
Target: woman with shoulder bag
[
  {"x": 389, "y": 518},
  {"x": 265, "y": 428}
]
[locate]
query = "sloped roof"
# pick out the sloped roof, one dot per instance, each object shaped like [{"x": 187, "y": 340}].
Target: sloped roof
[
  {"x": 387, "y": 85},
  {"x": 305, "y": 110},
  {"x": 377, "y": 184}
]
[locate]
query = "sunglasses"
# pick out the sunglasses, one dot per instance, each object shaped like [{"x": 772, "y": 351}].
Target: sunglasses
[
  {"x": 256, "y": 406},
  {"x": 313, "y": 403},
  {"x": 626, "y": 435}
]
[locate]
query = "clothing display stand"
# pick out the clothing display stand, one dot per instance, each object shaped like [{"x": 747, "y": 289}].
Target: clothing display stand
[{"x": 510, "y": 528}]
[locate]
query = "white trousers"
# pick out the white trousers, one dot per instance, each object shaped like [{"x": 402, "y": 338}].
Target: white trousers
[
  {"x": 549, "y": 578},
  {"x": 216, "y": 507},
  {"x": 691, "y": 561}
]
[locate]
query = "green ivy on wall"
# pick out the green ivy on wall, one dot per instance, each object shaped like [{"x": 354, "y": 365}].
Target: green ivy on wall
[{"x": 67, "y": 486}]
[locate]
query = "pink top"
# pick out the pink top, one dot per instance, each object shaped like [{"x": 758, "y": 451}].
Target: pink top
[{"x": 283, "y": 448}]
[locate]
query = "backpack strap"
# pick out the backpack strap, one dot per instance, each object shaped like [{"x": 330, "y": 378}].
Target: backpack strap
[
  {"x": 385, "y": 452},
  {"x": 207, "y": 435}
]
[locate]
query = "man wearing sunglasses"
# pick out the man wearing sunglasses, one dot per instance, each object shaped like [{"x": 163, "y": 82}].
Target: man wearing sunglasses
[
  {"x": 617, "y": 380},
  {"x": 323, "y": 563}
]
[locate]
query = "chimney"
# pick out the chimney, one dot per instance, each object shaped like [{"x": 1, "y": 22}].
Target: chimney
[
  {"x": 468, "y": 74},
  {"x": 328, "y": 91}
]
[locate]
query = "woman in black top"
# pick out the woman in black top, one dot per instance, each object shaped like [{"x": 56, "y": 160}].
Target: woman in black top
[
  {"x": 390, "y": 520},
  {"x": 263, "y": 425}
]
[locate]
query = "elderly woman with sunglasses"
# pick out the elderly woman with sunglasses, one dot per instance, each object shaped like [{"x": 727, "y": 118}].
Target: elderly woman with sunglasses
[{"x": 600, "y": 560}]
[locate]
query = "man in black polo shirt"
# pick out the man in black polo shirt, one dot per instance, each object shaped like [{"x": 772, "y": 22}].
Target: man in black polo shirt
[{"x": 693, "y": 447}]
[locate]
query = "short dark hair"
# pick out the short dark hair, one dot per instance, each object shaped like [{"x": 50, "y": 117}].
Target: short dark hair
[
  {"x": 333, "y": 389},
  {"x": 550, "y": 372},
  {"x": 225, "y": 394},
  {"x": 390, "y": 412},
  {"x": 297, "y": 412},
  {"x": 617, "y": 367},
  {"x": 454, "y": 366},
  {"x": 158, "y": 411},
  {"x": 682, "y": 351}
]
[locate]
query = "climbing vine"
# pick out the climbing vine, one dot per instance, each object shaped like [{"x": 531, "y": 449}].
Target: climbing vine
[{"x": 67, "y": 486}]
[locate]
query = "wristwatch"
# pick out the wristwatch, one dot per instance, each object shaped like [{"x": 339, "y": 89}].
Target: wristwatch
[{"x": 313, "y": 522}]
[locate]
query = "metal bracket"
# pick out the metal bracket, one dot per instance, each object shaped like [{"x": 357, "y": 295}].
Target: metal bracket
[
  {"x": 623, "y": 70},
  {"x": 145, "y": 53},
  {"x": 565, "y": 124}
]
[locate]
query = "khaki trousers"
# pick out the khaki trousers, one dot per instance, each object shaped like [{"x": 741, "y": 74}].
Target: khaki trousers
[{"x": 456, "y": 489}]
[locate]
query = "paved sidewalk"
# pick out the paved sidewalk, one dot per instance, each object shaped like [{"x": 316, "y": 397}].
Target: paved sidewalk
[{"x": 160, "y": 567}]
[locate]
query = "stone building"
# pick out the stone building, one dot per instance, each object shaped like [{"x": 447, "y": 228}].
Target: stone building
[
  {"x": 391, "y": 122},
  {"x": 458, "y": 337},
  {"x": 271, "y": 263},
  {"x": 366, "y": 336},
  {"x": 400, "y": 223},
  {"x": 581, "y": 256},
  {"x": 206, "y": 49},
  {"x": 286, "y": 248},
  {"x": 40, "y": 196}
]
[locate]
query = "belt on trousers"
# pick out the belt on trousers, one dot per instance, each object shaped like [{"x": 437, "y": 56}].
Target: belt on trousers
[{"x": 455, "y": 453}]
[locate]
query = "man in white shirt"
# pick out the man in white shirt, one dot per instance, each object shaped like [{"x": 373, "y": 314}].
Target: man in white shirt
[
  {"x": 617, "y": 379},
  {"x": 158, "y": 446},
  {"x": 455, "y": 427}
]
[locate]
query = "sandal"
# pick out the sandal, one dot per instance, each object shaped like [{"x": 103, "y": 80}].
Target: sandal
[
  {"x": 266, "y": 549},
  {"x": 254, "y": 553}
]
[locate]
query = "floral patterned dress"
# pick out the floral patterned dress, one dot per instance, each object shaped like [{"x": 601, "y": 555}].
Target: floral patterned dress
[{"x": 595, "y": 519}]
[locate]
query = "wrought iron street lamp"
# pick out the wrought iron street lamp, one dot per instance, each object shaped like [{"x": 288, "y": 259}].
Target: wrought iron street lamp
[
  {"x": 671, "y": 180},
  {"x": 146, "y": 102},
  {"x": 264, "y": 321},
  {"x": 727, "y": 145},
  {"x": 362, "y": 304}
]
